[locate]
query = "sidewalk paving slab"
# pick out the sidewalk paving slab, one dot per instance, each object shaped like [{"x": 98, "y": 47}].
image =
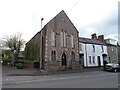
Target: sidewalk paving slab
[{"x": 11, "y": 74}]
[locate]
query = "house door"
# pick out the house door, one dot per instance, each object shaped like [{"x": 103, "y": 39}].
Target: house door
[
  {"x": 99, "y": 62},
  {"x": 81, "y": 57},
  {"x": 64, "y": 61}
]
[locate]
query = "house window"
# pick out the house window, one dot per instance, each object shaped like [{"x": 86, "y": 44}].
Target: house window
[
  {"x": 72, "y": 41},
  {"x": 113, "y": 49},
  {"x": 93, "y": 59},
  {"x": 93, "y": 48},
  {"x": 53, "y": 38},
  {"x": 80, "y": 47},
  {"x": 63, "y": 39},
  {"x": 102, "y": 48},
  {"x": 72, "y": 56},
  {"x": 90, "y": 60},
  {"x": 53, "y": 56}
]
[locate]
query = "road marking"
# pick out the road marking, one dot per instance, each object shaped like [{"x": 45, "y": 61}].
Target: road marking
[{"x": 56, "y": 78}]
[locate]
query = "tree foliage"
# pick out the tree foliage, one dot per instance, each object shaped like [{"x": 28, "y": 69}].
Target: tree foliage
[{"x": 14, "y": 43}]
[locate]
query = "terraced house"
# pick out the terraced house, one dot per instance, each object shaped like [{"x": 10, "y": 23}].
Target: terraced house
[
  {"x": 93, "y": 51},
  {"x": 60, "y": 47},
  {"x": 112, "y": 49}
]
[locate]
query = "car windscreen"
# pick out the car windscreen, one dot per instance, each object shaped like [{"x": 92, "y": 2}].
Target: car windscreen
[{"x": 116, "y": 65}]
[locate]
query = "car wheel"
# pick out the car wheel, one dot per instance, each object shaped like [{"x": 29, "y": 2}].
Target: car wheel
[{"x": 115, "y": 70}]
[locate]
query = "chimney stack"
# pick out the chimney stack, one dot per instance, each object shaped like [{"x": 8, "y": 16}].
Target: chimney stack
[
  {"x": 101, "y": 38},
  {"x": 93, "y": 36}
]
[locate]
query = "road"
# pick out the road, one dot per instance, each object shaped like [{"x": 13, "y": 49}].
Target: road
[{"x": 94, "y": 79}]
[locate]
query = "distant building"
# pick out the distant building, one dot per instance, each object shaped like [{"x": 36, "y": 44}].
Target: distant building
[
  {"x": 92, "y": 51},
  {"x": 60, "y": 47},
  {"x": 119, "y": 54},
  {"x": 112, "y": 49}
]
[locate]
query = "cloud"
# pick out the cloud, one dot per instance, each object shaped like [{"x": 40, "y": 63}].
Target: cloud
[
  {"x": 88, "y": 16},
  {"x": 107, "y": 26}
]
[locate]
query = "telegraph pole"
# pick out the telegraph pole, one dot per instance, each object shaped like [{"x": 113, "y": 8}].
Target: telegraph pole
[{"x": 41, "y": 61}]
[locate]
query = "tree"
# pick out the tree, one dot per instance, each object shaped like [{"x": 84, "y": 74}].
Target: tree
[{"x": 14, "y": 43}]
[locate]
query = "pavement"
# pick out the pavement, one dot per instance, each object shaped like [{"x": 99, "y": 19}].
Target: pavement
[
  {"x": 13, "y": 75},
  {"x": 12, "y": 71}
]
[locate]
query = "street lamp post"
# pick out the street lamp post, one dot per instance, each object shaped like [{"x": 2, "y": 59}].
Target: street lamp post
[{"x": 41, "y": 59}]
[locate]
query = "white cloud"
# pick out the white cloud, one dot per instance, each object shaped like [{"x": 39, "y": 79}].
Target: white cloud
[
  {"x": 112, "y": 36},
  {"x": 25, "y": 15}
]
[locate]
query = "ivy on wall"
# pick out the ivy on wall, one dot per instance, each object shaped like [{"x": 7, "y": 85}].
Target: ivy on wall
[{"x": 32, "y": 51}]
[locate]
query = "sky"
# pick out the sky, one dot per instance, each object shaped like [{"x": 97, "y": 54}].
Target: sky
[{"x": 88, "y": 16}]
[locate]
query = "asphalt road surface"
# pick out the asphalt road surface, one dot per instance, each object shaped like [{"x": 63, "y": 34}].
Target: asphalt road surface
[{"x": 94, "y": 79}]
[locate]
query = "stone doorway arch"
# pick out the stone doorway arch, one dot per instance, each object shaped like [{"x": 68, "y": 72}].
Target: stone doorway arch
[{"x": 64, "y": 59}]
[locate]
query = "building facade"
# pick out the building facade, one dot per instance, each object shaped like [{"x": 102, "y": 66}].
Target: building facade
[
  {"x": 112, "y": 49},
  {"x": 118, "y": 53},
  {"x": 60, "y": 47},
  {"x": 93, "y": 52}
]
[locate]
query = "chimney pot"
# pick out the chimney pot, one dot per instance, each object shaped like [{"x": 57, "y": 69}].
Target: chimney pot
[
  {"x": 101, "y": 38},
  {"x": 93, "y": 36}
]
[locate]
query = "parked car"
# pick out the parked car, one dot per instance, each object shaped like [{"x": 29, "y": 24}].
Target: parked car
[{"x": 112, "y": 67}]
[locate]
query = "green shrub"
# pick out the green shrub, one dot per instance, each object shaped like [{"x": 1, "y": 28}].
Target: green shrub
[{"x": 19, "y": 65}]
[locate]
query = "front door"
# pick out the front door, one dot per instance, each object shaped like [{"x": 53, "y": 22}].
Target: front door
[
  {"x": 64, "y": 61},
  {"x": 99, "y": 62},
  {"x": 81, "y": 59}
]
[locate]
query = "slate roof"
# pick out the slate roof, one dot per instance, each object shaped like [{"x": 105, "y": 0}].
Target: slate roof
[{"x": 91, "y": 41}]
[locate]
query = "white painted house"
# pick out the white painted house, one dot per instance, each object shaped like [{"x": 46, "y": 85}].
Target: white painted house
[{"x": 92, "y": 51}]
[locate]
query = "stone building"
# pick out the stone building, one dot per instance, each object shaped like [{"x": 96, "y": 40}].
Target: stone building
[
  {"x": 118, "y": 53},
  {"x": 59, "y": 44},
  {"x": 112, "y": 49}
]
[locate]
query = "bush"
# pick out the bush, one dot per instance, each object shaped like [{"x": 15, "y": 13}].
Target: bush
[{"x": 19, "y": 65}]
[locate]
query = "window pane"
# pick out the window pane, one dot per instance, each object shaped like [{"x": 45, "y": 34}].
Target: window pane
[
  {"x": 93, "y": 48},
  {"x": 61, "y": 38},
  {"x": 53, "y": 56},
  {"x": 93, "y": 59},
  {"x": 64, "y": 38},
  {"x": 90, "y": 59},
  {"x": 53, "y": 38},
  {"x": 102, "y": 48},
  {"x": 72, "y": 41}
]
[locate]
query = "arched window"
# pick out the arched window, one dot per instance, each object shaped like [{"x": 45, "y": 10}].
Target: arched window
[
  {"x": 72, "y": 41},
  {"x": 53, "y": 56},
  {"x": 53, "y": 38},
  {"x": 63, "y": 39},
  {"x": 72, "y": 56}
]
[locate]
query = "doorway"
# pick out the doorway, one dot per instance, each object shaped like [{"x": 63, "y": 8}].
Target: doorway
[
  {"x": 99, "y": 62},
  {"x": 63, "y": 58},
  {"x": 81, "y": 59}
]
